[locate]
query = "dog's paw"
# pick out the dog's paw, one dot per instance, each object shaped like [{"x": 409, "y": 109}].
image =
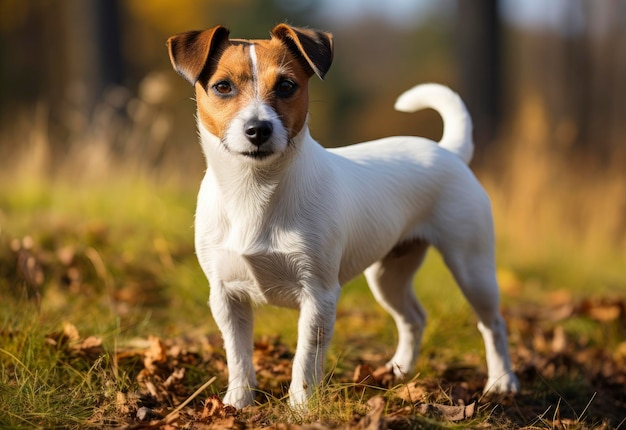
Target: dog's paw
[
  {"x": 400, "y": 372},
  {"x": 505, "y": 384},
  {"x": 239, "y": 397},
  {"x": 299, "y": 400}
]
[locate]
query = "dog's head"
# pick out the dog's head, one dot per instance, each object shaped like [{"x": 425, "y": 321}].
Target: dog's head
[{"x": 252, "y": 95}]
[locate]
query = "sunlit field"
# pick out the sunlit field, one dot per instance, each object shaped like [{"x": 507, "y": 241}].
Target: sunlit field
[{"x": 102, "y": 302}]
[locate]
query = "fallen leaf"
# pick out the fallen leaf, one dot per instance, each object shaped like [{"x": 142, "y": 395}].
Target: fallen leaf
[
  {"x": 448, "y": 412},
  {"x": 152, "y": 389},
  {"x": 70, "y": 332},
  {"x": 90, "y": 348},
  {"x": 176, "y": 376},
  {"x": 559, "y": 340},
  {"x": 411, "y": 392},
  {"x": 383, "y": 376},
  {"x": 373, "y": 419},
  {"x": 366, "y": 376},
  {"x": 606, "y": 310},
  {"x": 147, "y": 414},
  {"x": 363, "y": 374},
  {"x": 560, "y": 297},
  {"x": 213, "y": 407},
  {"x": 68, "y": 340},
  {"x": 219, "y": 415},
  {"x": 155, "y": 354}
]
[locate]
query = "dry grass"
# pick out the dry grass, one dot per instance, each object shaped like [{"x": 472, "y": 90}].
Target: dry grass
[{"x": 554, "y": 210}]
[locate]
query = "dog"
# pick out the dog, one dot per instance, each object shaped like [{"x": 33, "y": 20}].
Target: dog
[{"x": 281, "y": 220}]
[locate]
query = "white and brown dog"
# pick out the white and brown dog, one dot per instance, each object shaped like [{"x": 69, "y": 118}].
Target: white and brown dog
[{"x": 281, "y": 220}]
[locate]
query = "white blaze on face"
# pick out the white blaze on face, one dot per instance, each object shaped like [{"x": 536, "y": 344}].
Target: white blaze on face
[
  {"x": 256, "y": 109},
  {"x": 255, "y": 70}
]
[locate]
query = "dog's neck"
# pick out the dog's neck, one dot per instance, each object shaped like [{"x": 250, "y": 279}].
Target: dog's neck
[{"x": 255, "y": 185}]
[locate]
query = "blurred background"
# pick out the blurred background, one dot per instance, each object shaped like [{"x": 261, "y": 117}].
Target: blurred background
[{"x": 87, "y": 95}]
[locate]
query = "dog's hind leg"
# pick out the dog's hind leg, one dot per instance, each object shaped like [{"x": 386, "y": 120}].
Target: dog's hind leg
[
  {"x": 391, "y": 282},
  {"x": 474, "y": 270}
]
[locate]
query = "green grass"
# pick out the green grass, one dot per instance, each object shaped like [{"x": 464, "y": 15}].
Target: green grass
[
  {"x": 136, "y": 275},
  {"x": 40, "y": 387},
  {"x": 128, "y": 242}
]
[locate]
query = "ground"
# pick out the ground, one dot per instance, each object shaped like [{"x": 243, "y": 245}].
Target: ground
[{"x": 94, "y": 336}]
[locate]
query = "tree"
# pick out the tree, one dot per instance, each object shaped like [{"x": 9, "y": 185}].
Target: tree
[{"x": 478, "y": 34}]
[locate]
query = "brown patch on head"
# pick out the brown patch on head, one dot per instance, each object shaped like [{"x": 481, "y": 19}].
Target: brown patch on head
[
  {"x": 233, "y": 67},
  {"x": 283, "y": 83},
  {"x": 313, "y": 47},
  {"x": 190, "y": 51}
]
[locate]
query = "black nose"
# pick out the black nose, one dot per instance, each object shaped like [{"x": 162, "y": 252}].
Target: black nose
[{"x": 258, "y": 131}]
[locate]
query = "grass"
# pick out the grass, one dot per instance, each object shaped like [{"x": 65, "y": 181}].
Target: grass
[
  {"x": 40, "y": 388},
  {"x": 114, "y": 248}
]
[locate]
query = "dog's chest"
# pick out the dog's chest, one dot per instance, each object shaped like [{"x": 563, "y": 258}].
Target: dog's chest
[
  {"x": 265, "y": 277},
  {"x": 266, "y": 265},
  {"x": 265, "y": 243},
  {"x": 266, "y": 273}
]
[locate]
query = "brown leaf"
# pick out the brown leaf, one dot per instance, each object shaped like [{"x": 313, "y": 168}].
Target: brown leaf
[
  {"x": 606, "y": 310},
  {"x": 155, "y": 354},
  {"x": 70, "y": 332},
  {"x": 176, "y": 376},
  {"x": 90, "y": 348},
  {"x": 152, "y": 389},
  {"x": 448, "y": 412},
  {"x": 215, "y": 408},
  {"x": 218, "y": 415},
  {"x": 363, "y": 374},
  {"x": 383, "y": 376},
  {"x": 373, "y": 419},
  {"x": 147, "y": 414},
  {"x": 559, "y": 340},
  {"x": 70, "y": 342},
  {"x": 411, "y": 392}
]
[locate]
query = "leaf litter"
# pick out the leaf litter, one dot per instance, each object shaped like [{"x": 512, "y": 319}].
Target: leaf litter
[
  {"x": 568, "y": 380},
  {"x": 542, "y": 353}
]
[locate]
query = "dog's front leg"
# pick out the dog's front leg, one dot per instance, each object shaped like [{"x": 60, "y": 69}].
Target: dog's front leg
[
  {"x": 315, "y": 329},
  {"x": 234, "y": 318}
]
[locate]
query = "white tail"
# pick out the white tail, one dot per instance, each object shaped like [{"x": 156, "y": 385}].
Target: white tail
[{"x": 457, "y": 124}]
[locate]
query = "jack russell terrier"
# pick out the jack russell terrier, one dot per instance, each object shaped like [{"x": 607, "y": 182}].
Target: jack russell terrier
[{"x": 284, "y": 221}]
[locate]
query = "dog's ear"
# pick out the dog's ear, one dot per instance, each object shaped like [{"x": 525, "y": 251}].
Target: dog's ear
[
  {"x": 315, "y": 47},
  {"x": 190, "y": 51}
]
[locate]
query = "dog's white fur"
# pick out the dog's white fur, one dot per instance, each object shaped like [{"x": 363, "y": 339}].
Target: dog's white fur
[{"x": 291, "y": 228}]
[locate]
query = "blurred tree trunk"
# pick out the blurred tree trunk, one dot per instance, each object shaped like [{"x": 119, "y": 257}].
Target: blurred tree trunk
[
  {"x": 605, "y": 107},
  {"x": 94, "y": 59},
  {"x": 478, "y": 35}
]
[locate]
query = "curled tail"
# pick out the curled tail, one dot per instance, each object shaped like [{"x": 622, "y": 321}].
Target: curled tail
[{"x": 457, "y": 124}]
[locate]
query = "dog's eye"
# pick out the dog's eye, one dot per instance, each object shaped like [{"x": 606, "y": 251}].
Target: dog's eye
[
  {"x": 223, "y": 88},
  {"x": 285, "y": 88}
]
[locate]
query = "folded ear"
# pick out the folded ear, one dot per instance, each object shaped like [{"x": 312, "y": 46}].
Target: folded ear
[
  {"x": 315, "y": 47},
  {"x": 190, "y": 51}
]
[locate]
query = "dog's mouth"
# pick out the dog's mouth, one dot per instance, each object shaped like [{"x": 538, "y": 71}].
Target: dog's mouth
[{"x": 257, "y": 154}]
